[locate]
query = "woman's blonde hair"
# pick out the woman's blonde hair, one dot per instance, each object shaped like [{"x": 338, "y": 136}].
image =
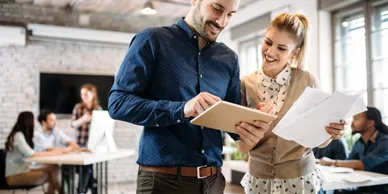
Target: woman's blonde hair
[{"x": 296, "y": 25}]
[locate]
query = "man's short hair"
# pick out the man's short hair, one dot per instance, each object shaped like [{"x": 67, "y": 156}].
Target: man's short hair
[{"x": 43, "y": 115}]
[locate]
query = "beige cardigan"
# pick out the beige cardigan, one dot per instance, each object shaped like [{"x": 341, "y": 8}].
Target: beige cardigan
[{"x": 274, "y": 157}]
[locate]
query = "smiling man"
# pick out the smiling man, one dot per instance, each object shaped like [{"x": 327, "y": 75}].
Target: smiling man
[{"x": 168, "y": 76}]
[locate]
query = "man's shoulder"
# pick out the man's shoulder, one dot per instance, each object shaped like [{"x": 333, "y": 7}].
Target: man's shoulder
[
  {"x": 225, "y": 48},
  {"x": 250, "y": 78},
  {"x": 383, "y": 137},
  {"x": 160, "y": 32},
  {"x": 38, "y": 132}
]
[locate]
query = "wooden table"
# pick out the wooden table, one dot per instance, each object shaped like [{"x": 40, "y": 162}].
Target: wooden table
[{"x": 69, "y": 163}]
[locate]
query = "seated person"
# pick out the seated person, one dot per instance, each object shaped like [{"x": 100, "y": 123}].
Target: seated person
[
  {"x": 18, "y": 147},
  {"x": 49, "y": 137},
  {"x": 370, "y": 152},
  {"x": 337, "y": 150}
]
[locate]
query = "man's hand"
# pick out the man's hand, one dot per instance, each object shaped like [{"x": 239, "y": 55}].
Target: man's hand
[
  {"x": 81, "y": 150},
  {"x": 200, "y": 103},
  {"x": 251, "y": 134},
  {"x": 326, "y": 162}
]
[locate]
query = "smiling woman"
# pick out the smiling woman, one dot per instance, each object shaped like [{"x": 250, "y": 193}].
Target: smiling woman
[{"x": 277, "y": 165}]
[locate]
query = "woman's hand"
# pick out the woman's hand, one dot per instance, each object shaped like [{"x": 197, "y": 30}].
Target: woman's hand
[
  {"x": 336, "y": 130},
  {"x": 87, "y": 117}
]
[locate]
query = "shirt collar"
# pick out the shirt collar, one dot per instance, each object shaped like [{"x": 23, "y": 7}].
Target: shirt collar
[
  {"x": 281, "y": 78},
  {"x": 373, "y": 139},
  {"x": 45, "y": 134},
  {"x": 188, "y": 32}
]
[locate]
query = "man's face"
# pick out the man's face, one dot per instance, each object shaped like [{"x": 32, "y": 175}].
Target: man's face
[
  {"x": 50, "y": 122},
  {"x": 359, "y": 123},
  {"x": 211, "y": 16}
]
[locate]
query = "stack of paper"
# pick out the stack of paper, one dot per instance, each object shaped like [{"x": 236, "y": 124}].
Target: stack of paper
[{"x": 306, "y": 120}]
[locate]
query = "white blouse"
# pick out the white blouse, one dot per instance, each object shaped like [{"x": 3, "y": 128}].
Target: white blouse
[{"x": 274, "y": 90}]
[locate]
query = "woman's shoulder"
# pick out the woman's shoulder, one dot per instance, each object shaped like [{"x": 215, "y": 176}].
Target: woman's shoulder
[
  {"x": 252, "y": 77},
  {"x": 78, "y": 106},
  {"x": 305, "y": 75},
  {"x": 18, "y": 136}
]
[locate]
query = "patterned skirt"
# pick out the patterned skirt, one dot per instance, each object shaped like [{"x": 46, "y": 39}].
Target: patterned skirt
[{"x": 308, "y": 184}]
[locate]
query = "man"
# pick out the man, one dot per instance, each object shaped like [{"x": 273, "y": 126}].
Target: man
[
  {"x": 49, "y": 137},
  {"x": 168, "y": 76},
  {"x": 370, "y": 152},
  {"x": 337, "y": 150}
]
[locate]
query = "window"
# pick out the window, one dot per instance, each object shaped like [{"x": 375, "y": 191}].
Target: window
[
  {"x": 355, "y": 67},
  {"x": 380, "y": 59},
  {"x": 350, "y": 65},
  {"x": 250, "y": 55}
]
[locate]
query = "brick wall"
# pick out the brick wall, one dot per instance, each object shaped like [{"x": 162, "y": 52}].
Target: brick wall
[
  {"x": 19, "y": 88},
  {"x": 13, "y": 13}
]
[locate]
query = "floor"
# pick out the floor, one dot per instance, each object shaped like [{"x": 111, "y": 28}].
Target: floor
[{"x": 128, "y": 188}]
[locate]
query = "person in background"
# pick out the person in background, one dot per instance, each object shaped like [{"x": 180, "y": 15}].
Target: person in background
[
  {"x": 49, "y": 137},
  {"x": 337, "y": 149},
  {"x": 81, "y": 119},
  {"x": 82, "y": 113},
  {"x": 370, "y": 152},
  {"x": 277, "y": 165},
  {"x": 18, "y": 147}
]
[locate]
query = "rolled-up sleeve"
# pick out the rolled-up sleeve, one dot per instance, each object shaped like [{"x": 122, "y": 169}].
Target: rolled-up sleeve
[{"x": 127, "y": 101}]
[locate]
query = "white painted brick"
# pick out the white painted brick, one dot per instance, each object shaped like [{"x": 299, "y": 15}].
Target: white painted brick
[{"x": 19, "y": 70}]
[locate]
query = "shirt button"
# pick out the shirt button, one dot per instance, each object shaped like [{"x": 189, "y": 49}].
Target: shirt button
[
  {"x": 199, "y": 53},
  {"x": 203, "y": 151},
  {"x": 178, "y": 120},
  {"x": 195, "y": 36},
  {"x": 200, "y": 76},
  {"x": 157, "y": 125},
  {"x": 201, "y": 127}
]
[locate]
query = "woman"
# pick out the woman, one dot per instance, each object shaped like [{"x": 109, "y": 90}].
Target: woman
[
  {"x": 18, "y": 147},
  {"x": 275, "y": 164},
  {"x": 82, "y": 113},
  {"x": 82, "y": 116}
]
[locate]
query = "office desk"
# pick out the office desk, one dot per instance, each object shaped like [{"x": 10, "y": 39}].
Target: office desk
[
  {"x": 69, "y": 163},
  {"x": 334, "y": 181}
]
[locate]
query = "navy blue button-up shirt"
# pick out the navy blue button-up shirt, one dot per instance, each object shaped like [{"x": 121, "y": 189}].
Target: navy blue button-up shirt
[
  {"x": 161, "y": 71},
  {"x": 374, "y": 155}
]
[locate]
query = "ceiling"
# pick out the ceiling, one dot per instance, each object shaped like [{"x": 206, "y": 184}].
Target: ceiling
[{"x": 165, "y": 8}]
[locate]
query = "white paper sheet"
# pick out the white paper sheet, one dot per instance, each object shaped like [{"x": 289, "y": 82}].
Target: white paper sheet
[{"x": 306, "y": 120}]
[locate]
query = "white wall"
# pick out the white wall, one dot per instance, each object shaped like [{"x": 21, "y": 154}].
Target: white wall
[{"x": 308, "y": 7}]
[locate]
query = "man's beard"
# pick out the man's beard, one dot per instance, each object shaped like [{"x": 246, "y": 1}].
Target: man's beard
[{"x": 199, "y": 23}]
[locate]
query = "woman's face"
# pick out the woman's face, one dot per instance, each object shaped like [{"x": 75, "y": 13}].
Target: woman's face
[
  {"x": 277, "y": 50},
  {"x": 86, "y": 96}
]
